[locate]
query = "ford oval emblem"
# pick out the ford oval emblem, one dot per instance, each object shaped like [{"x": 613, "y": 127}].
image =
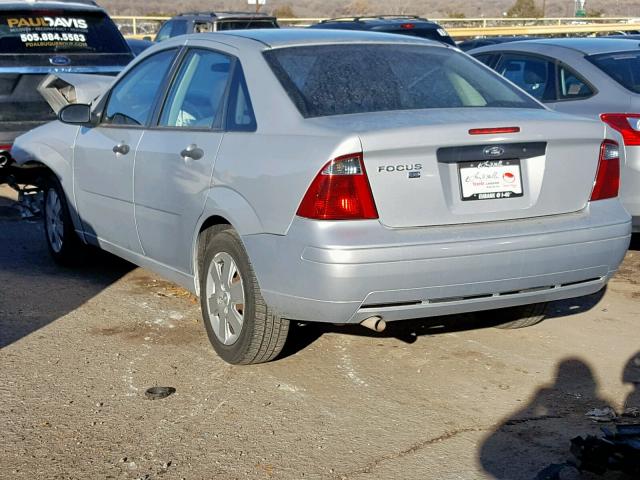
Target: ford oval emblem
[
  {"x": 59, "y": 61},
  {"x": 493, "y": 151}
]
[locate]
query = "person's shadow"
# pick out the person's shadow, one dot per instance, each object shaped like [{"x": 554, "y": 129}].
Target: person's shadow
[
  {"x": 631, "y": 374},
  {"x": 539, "y": 434}
]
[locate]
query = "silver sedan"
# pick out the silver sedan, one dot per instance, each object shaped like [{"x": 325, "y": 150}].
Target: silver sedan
[
  {"x": 593, "y": 77},
  {"x": 332, "y": 176}
]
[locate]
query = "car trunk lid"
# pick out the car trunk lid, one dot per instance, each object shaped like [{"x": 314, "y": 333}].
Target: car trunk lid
[{"x": 419, "y": 161}]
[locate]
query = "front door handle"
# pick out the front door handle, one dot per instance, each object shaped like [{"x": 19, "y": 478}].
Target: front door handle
[
  {"x": 122, "y": 148},
  {"x": 192, "y": 152}
]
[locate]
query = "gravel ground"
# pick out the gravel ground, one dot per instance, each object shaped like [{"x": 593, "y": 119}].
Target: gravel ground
[{"x": 444, "y": 398}]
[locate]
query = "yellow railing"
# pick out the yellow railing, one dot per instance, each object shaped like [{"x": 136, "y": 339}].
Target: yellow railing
[{"x": 140, "y": 27}]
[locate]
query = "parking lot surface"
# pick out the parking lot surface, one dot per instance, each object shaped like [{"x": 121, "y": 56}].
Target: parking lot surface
[{"x": 443, "y": 398}]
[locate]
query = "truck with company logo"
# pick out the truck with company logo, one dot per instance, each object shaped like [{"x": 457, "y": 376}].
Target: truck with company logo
[{"x": 40, "y": 38}]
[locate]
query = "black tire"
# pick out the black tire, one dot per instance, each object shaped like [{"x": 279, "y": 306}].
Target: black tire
[
  {"x": 65, "y": 246},
  {"x": 263, "y": 333},
  {"x": 516, "y": 317}
]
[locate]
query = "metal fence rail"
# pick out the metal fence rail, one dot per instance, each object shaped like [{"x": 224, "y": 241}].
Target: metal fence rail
[{"x": 139, "y": 27}]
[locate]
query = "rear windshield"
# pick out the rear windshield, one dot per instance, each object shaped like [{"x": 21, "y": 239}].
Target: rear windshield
[
  {"x": 245, "y": 24},
  {"x": 623, "y": 67},
  {"x": 45, "y": 31},
  {"x": 359, "y": 78}
]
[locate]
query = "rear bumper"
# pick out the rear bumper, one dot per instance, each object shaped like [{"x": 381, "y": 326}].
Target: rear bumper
[{"x": 344, "y": 272}]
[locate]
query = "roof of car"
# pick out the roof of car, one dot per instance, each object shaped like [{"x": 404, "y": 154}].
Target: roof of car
[
  {"x": 378, "y": 19},
  {"x": 39, "y": 4},
  {"x": 375, "y": 22},
  {"x": 305, "y": 36},
  {"x": 585, "y": 45},
  {"x": 224, "y": 15}
]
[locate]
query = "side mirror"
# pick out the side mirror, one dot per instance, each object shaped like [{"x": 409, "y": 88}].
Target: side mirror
[
  {"x": 147, "y": 39},
  {"x": 75, "y": 114}
]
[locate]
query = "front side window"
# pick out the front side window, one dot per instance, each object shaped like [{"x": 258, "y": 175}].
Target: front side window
[
  {"x": 171, "y": 29},
  {"x": 533, "y": 75},
  {"x": 165, "y": 32},
  {"x": 132, "y": 99},
  {"x": 623, "y": 67},
  {"x": 196, "y": 98},
  {"x": 179, "y": 28},
  {"x": 488, "y": 59},
  {"x": 358, "y": 78}
]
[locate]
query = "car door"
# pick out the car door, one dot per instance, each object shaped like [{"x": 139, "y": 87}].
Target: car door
[
  {"x": 175, "y": 159},
  {"x": 532, "y": 73},
  {"x": 104, "y": 155}
]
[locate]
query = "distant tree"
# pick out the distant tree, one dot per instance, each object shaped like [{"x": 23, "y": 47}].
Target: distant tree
[
  {"x": 284, "y": 11},
  {"x": 454, "y": 14},
  {"x": 594, "y": 12},
  {"x": 359, "y": 7},
  {"x": 524, "y": 9}
]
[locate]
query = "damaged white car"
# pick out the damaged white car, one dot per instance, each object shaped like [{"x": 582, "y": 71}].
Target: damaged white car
[{"x": 332, "y": 176}]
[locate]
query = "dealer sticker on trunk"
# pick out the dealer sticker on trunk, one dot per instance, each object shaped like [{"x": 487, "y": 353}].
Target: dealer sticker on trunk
[{"x": 490, "y": 179}]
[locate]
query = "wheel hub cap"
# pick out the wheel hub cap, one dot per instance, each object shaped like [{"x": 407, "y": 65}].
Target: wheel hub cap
[{"x": 225, "y": 298}]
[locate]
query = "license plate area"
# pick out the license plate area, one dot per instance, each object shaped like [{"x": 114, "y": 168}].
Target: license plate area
[{"x": 490, "y": 179}]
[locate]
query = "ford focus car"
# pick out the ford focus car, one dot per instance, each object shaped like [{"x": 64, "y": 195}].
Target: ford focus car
[{"x": 332, "y": 176}]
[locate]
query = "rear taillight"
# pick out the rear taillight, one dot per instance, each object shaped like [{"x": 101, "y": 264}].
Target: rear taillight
[
  {"x": 341, "y": 191},
  {"x": 628, "y": 124},
  {"x": 607, "y": 181},
  {"x": 5, "y": 155}
]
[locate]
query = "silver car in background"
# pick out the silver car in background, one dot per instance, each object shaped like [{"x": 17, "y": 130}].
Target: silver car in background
[
  {"x": 592, "y": 77},
  {"x": 332, "y": 176}
]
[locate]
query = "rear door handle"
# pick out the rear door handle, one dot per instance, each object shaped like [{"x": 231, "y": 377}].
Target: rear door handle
[
  {"x": 122, "y": 148},
  {"x": 192, "y": 152}
]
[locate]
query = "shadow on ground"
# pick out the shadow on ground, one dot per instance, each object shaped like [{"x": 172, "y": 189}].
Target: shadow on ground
[
  {"x": 537, "y": 437},
  {"x": 408, "y": 331},
  {"x": 34, "y": 291}
]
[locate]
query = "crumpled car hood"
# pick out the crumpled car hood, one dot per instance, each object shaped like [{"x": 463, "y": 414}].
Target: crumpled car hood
[{"x": 61, "y": 89}]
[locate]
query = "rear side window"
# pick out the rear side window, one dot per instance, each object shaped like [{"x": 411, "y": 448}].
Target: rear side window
[
  {"x": 572, "y": 86},
  {"x": 46, "y": 31},
  {"x": 344, "y": 79},
  {"x": 240, "y": 116},
  {"x": 623, "y": 67},
  {"x": 535, "y": 76}
]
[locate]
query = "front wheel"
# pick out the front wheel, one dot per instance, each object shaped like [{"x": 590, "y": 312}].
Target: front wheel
[
  {"x": 63, "y": 243},
  {"x": 516, "y": 317},
  {"x": 240, "y": 326}
]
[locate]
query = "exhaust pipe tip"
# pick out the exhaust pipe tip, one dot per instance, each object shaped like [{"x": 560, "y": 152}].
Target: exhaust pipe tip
[{"x": 377, "y": 324}]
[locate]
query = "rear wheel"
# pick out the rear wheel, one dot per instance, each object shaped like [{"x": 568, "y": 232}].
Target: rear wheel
[
  {"x": 64, "y": 245},
  {"x": 516, "y": 317},
  {"x": 240, "y": 326}
]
